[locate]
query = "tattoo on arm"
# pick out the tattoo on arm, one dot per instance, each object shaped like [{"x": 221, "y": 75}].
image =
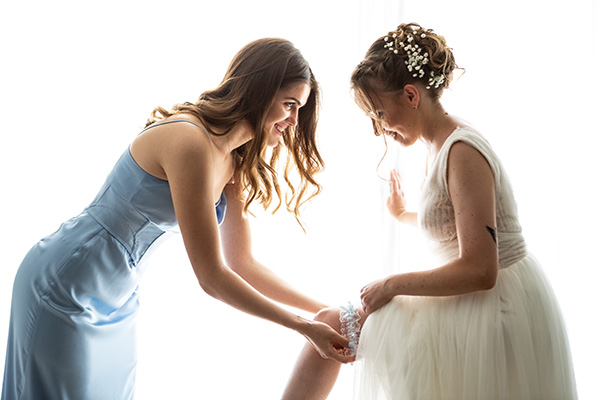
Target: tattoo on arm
[{"x": 494, "y": 233}]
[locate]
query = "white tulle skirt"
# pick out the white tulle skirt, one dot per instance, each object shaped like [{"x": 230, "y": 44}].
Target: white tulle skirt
[{"x": 505, "y": 343}]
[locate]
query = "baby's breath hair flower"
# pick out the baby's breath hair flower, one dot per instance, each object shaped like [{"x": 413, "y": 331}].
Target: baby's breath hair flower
[
  {"x": 435, "y": 80},
  {"x": 416, "y": 58}
]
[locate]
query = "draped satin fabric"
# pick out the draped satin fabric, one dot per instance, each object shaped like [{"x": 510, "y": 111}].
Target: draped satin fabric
[{"x": 72, "y": 332}]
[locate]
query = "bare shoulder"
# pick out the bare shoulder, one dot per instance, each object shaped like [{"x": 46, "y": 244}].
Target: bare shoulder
[
  {"x": 168, "y": 144},
  {"x": 465, "y": 158},
  {"x": 469, "y": 174}
]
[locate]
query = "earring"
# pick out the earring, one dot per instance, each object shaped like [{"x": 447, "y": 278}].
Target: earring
[{"x": 414, "y": 107}]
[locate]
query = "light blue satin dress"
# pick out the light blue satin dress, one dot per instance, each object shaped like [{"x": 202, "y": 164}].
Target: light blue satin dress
[{"x": 75, "y": 297}]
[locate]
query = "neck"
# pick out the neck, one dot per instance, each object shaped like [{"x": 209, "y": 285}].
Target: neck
[
  {"x": 437, "y": 127},
  {"x": 238, "y": 136}
]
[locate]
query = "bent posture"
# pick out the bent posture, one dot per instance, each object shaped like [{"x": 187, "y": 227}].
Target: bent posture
[{"x": 198, "y": 167}]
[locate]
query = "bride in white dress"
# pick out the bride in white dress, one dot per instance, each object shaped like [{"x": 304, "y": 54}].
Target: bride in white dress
[{"x": 483, "y": 325}]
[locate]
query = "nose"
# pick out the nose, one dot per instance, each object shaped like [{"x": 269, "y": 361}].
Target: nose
[{"x": 292, "y": 119}]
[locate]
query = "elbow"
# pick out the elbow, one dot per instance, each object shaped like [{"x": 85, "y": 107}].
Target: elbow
[
  {"x": 210, "y": 281},
  {"x": 482, "y": 274},
  {"x": 488, "y": 283},
  {"x": 208, "y": 288},
  {"x": 487, "y": 280}
]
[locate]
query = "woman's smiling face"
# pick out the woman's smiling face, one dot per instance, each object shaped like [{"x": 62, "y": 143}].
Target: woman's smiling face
[
  {"x": 393, "y": 112},
  {"x": 284, "y": 111}
]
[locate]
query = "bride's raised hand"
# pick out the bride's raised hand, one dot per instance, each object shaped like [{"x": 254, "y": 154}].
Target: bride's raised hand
[{"x": 396, "y": 203}]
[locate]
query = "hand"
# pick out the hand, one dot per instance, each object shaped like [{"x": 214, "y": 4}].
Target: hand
[
  {"x": 396, "y": 203},
  {"x": 374, "y": 296},
  {"x": 327, "y": 342}
]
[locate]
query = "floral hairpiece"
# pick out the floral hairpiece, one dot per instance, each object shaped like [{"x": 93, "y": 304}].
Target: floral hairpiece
[{"x": 416, "y": 58}]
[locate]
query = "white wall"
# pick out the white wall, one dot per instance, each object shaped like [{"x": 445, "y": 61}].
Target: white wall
[{"x": 77, "y": 82}]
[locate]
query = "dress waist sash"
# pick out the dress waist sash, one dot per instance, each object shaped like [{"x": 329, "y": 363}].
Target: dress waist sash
[{"x": 125, "y": 223}]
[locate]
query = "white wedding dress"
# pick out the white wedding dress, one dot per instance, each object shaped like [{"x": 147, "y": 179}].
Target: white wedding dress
[{"x": 505, "y": 343}]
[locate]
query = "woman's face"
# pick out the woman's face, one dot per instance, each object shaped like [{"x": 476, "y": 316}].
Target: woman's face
[
  {"x": 397, "y": 117},
  {"x": 284, "y": 111}
]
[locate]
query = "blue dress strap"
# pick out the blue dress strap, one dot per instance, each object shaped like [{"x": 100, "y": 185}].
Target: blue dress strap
[{"x": 177, "y": 120}]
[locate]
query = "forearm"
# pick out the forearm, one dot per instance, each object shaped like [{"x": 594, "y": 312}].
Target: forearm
[
  {"x": 458, "y": 277},
  {"x": 271, "y": 285},
  {"x": 228, "y": 287}
]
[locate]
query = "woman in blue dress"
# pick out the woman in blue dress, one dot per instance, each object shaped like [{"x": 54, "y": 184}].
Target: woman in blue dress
[{"x": 196, "y": 168}]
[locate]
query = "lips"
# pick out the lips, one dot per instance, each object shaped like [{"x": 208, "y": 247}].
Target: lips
[
  {"x": 280, "y": 129},
  {"x": 393, "y": 134}
]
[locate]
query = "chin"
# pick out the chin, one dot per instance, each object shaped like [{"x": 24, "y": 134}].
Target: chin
[
  {"x": 404, "y": 141},
  {"x": 274, "y": 142}
]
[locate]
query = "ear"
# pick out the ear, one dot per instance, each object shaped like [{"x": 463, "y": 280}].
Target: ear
[{"x": 413, "y": 96}]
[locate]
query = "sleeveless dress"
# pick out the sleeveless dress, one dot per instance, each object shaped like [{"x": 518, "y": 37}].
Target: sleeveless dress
[
  {"x": 75, "y": 296},
  {"x": 505, "y": 343}
]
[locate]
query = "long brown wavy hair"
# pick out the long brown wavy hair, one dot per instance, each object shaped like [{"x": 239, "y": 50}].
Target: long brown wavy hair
[{"x": 254, "y": 76}]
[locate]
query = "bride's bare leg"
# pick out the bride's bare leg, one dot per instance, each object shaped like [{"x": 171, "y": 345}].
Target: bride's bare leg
[{"x": 313, "y": 376}]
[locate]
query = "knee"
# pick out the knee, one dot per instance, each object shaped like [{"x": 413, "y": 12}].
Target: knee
[{"x": 329, "y": 316}]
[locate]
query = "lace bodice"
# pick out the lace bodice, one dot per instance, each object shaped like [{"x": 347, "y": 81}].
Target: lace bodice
[{"x": 436, "y": 214}]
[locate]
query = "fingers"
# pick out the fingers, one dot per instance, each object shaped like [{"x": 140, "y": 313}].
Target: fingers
[
  {"x": 370, "y": 299},
  {"x": 341, "y": 342},
  {"x": 331, "y": 344},
  {"x": 395, "y": 182},
  {"x": 338, "y": 351},
  {"x": 338, "y": 355},
  {"x": 365, "y": 304},
  {"x": 366, "y": 307},
  {"x": 342, "y": 358},
  {"x": 363, "y": 292}
]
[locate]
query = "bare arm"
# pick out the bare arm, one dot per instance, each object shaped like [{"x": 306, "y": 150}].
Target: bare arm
[
  {"x": 237, "y": 249},
  {"x": 185, "y": 156},
  {"x": 471, "y": 186}
]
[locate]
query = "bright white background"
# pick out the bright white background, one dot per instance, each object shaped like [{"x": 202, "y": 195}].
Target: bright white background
[{"x": 78, "y": 80}]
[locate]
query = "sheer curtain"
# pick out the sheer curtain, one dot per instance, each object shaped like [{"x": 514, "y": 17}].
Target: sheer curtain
[{"x": 78, "y": 81}]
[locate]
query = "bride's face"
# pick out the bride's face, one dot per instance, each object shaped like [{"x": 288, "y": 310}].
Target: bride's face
[{"x": 396, "y": 116}]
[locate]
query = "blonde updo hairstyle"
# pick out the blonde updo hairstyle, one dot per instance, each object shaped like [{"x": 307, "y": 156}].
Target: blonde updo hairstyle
[{"x": 385, "y": 67}]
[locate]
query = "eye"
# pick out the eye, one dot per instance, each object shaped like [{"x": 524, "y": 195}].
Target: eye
[{"x": 289, "y": 105}]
